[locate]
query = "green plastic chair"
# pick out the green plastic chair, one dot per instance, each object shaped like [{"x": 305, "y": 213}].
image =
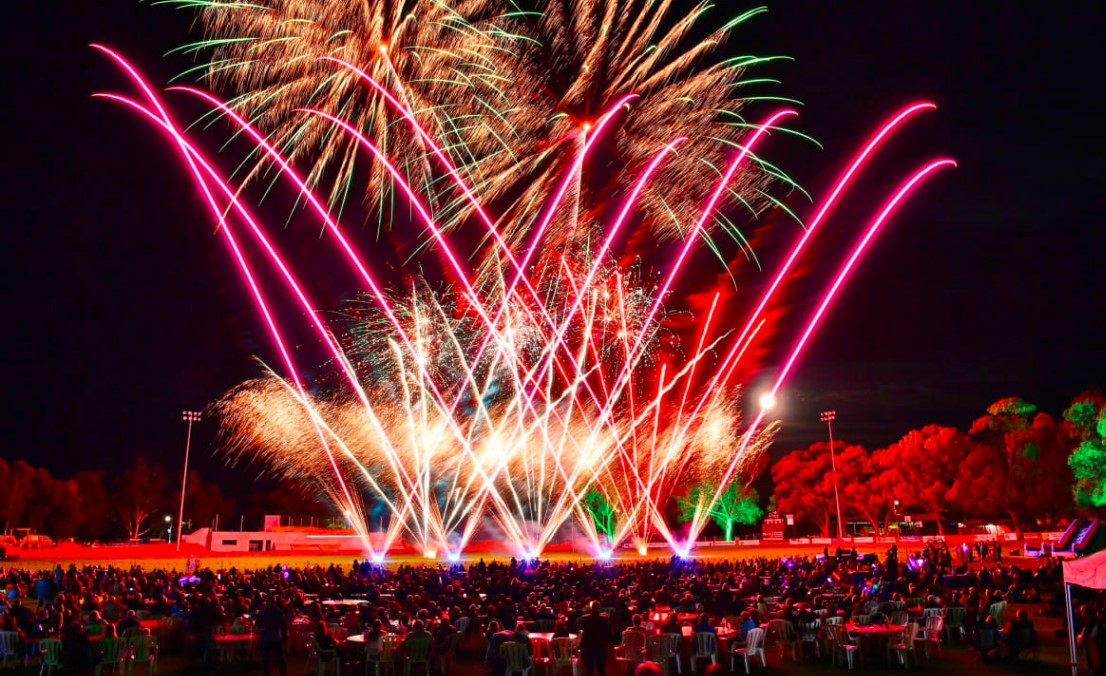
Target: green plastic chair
[
  {"x": 113, "y": 653},
  {"x": 50, "y": 648},
  {"x": 143, "y": 650},
  {"x": 416, "y": 651}
]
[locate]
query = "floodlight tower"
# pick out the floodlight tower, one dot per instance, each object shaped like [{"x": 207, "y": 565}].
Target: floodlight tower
[
  {"x": 189, "y": 417},
  {"x": 828, "y": 417}
]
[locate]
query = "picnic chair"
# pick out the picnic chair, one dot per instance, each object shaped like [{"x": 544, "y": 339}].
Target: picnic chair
[
  {"x": 663, "y": 649},
  {"x": 930, "y": 634},
  {"x": 954, "y": 620},
  {"x": 143, "y": 650},
  {"x": 986, "y": 645},
  {"x": 997, "y": 610},
  {"x": 841, "y": 644},
  {"x": 562, "y": 653},
  {"x": 50, "y": 649},
  {"x": 704, "y": 646},
  {"x": 386, "y": 660},
  {"x": 903, "y": 645},
  {"x": 632, "y": 650},
  {"x": 323, "y": 658},
  {"x": 112, "y": 654},
  {"x": 517, "y": 657},
  {"x": 9, "y": 648},
  {"x": 448, "y": 657},
  {"x": 808, "y": 637},
  {"x": 784, "y": 634},
  {"x": 416, "y": 652},
  {"x": 754, "y": 645}
]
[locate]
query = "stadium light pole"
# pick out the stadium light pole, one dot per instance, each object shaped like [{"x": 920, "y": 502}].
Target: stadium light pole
[
  {"x": 828, "y": 417},
  {"x": 189, "y": 417}
]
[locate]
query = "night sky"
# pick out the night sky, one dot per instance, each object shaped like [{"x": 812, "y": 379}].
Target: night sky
[{"x": 120, "y": 308}]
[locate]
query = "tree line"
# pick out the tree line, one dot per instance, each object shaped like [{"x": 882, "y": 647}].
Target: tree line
[
  {"x": 90, "y": 507},
  {"x": 1015, "y": 464}
]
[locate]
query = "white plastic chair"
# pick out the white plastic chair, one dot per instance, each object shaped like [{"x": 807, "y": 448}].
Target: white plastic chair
[
  {"x": 705, "y": 647},
  {"x": 931, "y": 633},
  {"x": 903, "y": 645},
  {"x": 9, "y": 648},
  {"x": 562, "y": 651},
  {"x": 841, "y": 644},
  {"x": 808, "y": 636},
  {"x": 632, "y": 649},
  {"x": 754, "y": 645},
  {"x": 668, "y": 649},
  {"x": 517, "y": 658}
]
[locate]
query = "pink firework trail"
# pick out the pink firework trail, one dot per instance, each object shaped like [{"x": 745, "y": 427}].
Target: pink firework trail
[{"x": 523, "y": 402}]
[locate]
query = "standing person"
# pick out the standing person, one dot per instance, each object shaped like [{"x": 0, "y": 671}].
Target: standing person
[
  {"x": 274, "y": 634},
  {"x": 1093, "y": 640},
  {"x": 595, "y": 636}
]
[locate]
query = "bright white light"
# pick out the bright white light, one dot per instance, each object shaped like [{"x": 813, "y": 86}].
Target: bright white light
[
  {"x": 643, "y": 550},
  {"x": 378, "y": 558},
  {"x": 430, "y": 554},
  {"x": 454, "y": 556},
  {"x": 683, "y": 553},
  {"x": 604, "y": 555},
  {"x": 767, "y": 401}
]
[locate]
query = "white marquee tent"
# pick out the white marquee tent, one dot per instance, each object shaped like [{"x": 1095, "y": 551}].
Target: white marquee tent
[{"x": 1089, "y": 572}]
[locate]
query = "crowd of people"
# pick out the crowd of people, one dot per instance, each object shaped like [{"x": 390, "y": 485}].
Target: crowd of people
[{"x": 482, "y": 606}]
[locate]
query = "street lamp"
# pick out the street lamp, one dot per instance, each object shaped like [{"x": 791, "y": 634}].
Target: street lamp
[
  {"x": 828, "y": 417},
  {"x": 189, "y": 417},
  {"x": 169, "y": 528}
]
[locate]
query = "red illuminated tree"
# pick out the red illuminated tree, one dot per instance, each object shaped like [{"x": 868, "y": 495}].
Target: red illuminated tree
[
  {"x": 921, "y": 469},
  {"x": 1026, "y": 468},
  {"x": 867, "y": 486},
  {"x": 804, "y": 485}
]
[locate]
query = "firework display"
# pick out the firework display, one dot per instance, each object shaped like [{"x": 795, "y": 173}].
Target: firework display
[{"x": 536, "y": 151}]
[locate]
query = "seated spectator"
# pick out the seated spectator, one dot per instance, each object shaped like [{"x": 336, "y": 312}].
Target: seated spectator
[
  {"x": 75, "y": 648},
  {"x": 747, "y": 623},
  {"x": 374, "y": 640},
  {"x": 703, "y": 625},
  {"x": 648, "y": 669},
  {"x": 636, "y": 626},
  {"x": 326, "y": 644},
  {"x": 442, "y": 631},
  {"x": 560, "y": 629},
  {"x": 987, "y": 640},
  {"x": 129, "y": 621},
  {"x": 1019, "y": 635},
  {"x": 671, "y": 625},
  {"x": 497, "y": 637}
]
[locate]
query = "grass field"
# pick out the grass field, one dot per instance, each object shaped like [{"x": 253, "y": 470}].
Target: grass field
[{"x": 164, "y": 556}]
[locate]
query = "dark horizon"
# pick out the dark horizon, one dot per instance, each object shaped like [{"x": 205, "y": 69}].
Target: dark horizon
[{"x": 122, "y": 310}]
